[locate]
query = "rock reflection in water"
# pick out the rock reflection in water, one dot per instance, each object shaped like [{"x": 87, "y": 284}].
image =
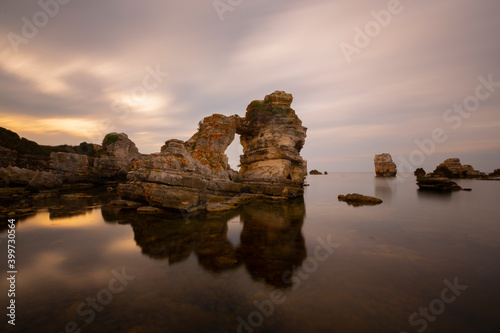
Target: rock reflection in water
[{"x": 271, "y": 242}]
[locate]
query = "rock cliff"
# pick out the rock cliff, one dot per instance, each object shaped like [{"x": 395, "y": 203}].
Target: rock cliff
[
  {"x": 384, "y": 166},
  {"x": 195, "y": 176}
]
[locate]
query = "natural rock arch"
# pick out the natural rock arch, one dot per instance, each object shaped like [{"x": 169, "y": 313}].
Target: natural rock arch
[{"x": 195, "y": 175}]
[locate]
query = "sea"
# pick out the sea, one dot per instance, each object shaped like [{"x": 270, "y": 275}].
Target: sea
[{"x": 419, "y": 262}]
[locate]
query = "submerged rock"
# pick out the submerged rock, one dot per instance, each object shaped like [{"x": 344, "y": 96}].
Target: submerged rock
[
  {"x": 195, "y": 175},
  {"x": 384, "y": 166},
  {"x": 357, "y": 199}
]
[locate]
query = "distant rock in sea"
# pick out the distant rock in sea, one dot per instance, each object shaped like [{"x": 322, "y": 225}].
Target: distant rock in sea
[
  {"x": 452, "y": 168},
  {"x": 495, "y": 173},
  {"x": 315, "y": 172},
  {"x": 419, "y": 172},
  {"x": 384, "y": 166},
  {"x": 436, "y": 183},
  {"x": 356, "y": 199}
]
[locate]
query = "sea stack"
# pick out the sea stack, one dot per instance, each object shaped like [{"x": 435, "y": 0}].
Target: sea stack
[{"x": 384, "y": 166}]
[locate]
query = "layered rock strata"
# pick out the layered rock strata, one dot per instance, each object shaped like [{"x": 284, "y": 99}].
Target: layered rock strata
[
  {"x": 435, "y": 182},
  {"x": 195, "y": 175},
  {"x": 112, "y": 161},
  {"x": 384, "y": 166},
  {"x": 452, "y": 168}
]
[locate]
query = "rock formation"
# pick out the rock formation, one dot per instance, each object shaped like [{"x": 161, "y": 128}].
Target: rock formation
[
  {"x": 384, "y": 166},
  {"x": 195, "y": 175},
  {"x": 437, "y": 183},
  {"x": 419, "y": 172},
  {"x": 452, "y": 168},
  {"x": 111, "y": 161},
  {"x": 315, "y": 172},
  {"x": 272, "y": 137},
  {"x": 34, "y": 180},
  {"x": 495, "y": 173},
  {"x": 356, "y": 199}
]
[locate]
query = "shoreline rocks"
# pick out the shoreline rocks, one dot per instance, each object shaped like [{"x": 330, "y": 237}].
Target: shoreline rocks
[{"x": 384, "y": 166}]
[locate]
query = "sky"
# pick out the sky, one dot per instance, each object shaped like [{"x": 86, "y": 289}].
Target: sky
[{"x": 417, "y": 79}]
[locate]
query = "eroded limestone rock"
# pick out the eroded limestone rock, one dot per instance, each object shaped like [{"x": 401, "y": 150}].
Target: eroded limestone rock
[
  {"x": 195, "y": 175},
  {"x": 452, "y": 168},
  {"x": 384, "y": 166},
  {"x": 272, "y": 137}
]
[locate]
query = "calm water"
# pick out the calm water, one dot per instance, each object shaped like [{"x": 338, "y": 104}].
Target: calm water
[{"x": 222, "y": 273}]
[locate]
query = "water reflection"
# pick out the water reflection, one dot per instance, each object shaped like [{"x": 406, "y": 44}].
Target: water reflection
[
  {"x": 385, "y": 186},
  {"x": 271, "y": 241},
  {"x": 444, "y": 196}
]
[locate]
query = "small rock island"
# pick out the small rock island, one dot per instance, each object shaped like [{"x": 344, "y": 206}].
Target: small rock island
[{"x": 384, "y": 166}]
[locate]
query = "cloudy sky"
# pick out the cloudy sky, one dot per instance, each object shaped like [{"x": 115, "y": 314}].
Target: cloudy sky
[{"x": 417, "y": 79}]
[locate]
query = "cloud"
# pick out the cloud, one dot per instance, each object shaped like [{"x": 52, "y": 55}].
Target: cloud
[{"x": 86, "y": 62}]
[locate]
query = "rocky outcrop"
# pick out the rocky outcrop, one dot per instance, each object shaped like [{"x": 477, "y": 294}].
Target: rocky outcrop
[
  {"x": 33, "y": 180},
  {"x": 384, "y": 166},
  {"x": 195, "y": 176},
  {"x": 495, "y": 173},
  {"x": 419, "y": 172},
  {"x": 10, "y": 157},
  {"x": 437, "y": 183},
  {"x": 315, "y": 172},
  {"x": 272, "y": 137},
  {"x": 452, "y": 168},
  {"x": 114, "y": 160},
  {"x": 116, "y": 157},
  {"x": 356, "y": 199}
]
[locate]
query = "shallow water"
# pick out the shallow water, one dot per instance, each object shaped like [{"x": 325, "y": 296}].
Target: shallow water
[{"x": 222, "y": 273}]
